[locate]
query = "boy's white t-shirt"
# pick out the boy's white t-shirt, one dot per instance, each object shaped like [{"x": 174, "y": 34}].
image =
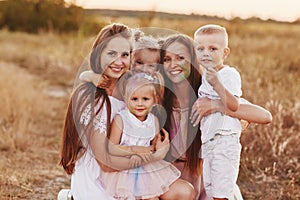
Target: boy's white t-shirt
[{"x": 218, "y": 122}]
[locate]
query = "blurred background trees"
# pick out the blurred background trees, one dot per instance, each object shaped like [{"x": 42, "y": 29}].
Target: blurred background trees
[{"x": 34, "y": 16}]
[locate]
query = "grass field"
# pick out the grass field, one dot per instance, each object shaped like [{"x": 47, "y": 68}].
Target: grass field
[{"x": 37, "y": 73}]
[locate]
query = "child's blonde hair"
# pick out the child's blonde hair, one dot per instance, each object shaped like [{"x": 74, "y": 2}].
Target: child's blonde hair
[
  {"x": 211, "y": 29},
  {"x": 142, "y": 41},
  {"x": 134, "y": 81}
]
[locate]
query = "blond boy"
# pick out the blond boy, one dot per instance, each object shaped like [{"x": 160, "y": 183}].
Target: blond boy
[{"x": 221, "y": 146}]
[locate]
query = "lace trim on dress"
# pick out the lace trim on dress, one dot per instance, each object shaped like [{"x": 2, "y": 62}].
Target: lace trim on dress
[
  {"x": 85, "y": 117},
  {"x": 100, "y": 124},
  {"x": 99, "y": 121}
]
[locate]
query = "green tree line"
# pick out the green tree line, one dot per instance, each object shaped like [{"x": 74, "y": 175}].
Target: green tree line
[{"x": 42, "y": 15}]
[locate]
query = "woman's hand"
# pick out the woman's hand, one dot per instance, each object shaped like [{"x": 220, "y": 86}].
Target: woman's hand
[
  {"x": 135, "y": 161},
  {"x": 203, "y": 107},
  {"x": 244, "y": 124}
]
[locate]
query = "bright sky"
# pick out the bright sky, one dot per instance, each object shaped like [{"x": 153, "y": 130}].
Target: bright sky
[{"x": 282, "y": 10}]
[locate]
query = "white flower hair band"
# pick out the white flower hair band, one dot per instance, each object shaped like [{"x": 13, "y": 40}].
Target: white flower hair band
[{"x": 148, "y": 77}]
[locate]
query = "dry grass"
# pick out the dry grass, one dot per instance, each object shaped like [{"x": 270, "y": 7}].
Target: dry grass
[
  {"x": 28, "y": 147},
  {"x": 37, "y": 74}
]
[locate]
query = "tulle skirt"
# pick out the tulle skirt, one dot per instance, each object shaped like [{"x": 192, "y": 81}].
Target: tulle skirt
[{"x": 147, "y": 181}]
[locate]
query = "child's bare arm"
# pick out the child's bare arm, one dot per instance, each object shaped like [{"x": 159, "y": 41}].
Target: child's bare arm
[
  {"x": 154, "y": 141},
  {"x": 99, "y": 80},
  {"x": 115, "y": 138},
  {"x": 89, "y": 76},
  {"x": 112, "y": 163},
  {"x": 229, "y": 100}
]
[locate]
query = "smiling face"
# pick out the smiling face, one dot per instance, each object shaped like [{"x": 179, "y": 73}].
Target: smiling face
[
  {"x": 141, "y": 101},
  {"x": 115, "y": 57},
  {"x": 145, "y": 60},
  {"x": 177, "y": 62},
  {"x": 211, "y": 49}
]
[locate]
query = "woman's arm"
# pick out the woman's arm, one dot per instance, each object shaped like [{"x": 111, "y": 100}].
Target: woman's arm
[
  {"x": 109, "y": 162},
  {"x": 249, "y": 112},
  {"x": 106, "y": 161}
]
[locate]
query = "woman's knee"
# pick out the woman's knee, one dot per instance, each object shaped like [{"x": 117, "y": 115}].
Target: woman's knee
[
  {"x": 179, "y": 190},
  {"x": 187, "y": 191}
]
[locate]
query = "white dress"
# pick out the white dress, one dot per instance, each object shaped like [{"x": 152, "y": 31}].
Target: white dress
[
  {"x": 147, "y": 181},
  {"x": 85, "y": 182}
]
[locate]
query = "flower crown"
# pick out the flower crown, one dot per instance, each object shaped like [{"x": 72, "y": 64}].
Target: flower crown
[
  {"x": 150, "y": 78},
  {"x": 147, "y": 76}
]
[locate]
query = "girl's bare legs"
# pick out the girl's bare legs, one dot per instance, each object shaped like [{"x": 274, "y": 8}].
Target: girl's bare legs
[
  {"x": 179, "y": 190},
  {"x": 154, "y": 198}
]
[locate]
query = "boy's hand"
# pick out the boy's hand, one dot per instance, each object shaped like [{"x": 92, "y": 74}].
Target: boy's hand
[{"x": 212, "y": 77}]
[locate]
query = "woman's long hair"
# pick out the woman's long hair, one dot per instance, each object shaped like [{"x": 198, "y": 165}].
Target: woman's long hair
[
  {"x": 78, "y": 125},
  {"x": 192, "y": 153}
]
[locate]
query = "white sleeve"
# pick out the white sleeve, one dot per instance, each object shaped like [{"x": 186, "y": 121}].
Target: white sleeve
[{"x": 232, "y": 81}]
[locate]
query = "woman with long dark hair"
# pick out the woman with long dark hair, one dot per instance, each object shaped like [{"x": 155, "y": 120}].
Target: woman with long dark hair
[
  {"x": 182, "y": 75},
  {"x": 85, "y": 147}
]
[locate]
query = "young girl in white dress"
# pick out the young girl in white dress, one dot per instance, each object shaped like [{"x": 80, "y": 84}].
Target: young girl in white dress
[{"x": 137, "y": 126}]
